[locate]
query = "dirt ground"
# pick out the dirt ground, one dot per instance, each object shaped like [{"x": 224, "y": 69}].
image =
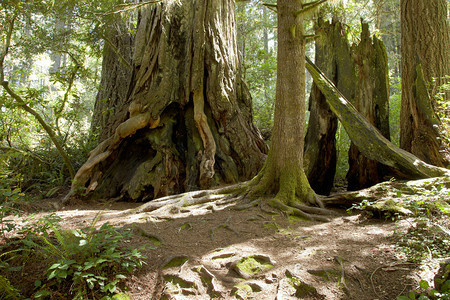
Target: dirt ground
[{"x": 200, "y": 252}]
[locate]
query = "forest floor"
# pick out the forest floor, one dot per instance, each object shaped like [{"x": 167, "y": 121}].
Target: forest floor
[{"x": 207, "y": 252}]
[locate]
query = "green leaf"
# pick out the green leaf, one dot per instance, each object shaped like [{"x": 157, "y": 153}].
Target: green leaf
[
  {"x": 37, "y": 283},
  {"x": 83, "y": 243},
  {"x": 402, "y": 298},
  {"x": 424, "y": 284},
  {"x": 52, "y": 275}
]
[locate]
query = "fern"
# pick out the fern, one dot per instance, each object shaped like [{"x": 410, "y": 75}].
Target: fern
[{"x": 7, "y": 291}]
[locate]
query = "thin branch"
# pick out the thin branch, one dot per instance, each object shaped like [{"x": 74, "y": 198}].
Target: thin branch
[
  {"x": 310, "y": 6},
  {"x": 128, "y": 7},
  {"x": 272, "y": 7},
  {"x": 116, "y": 51},
  {"x": 41, "y": 121},
  {"x": 6, "y": 49}
]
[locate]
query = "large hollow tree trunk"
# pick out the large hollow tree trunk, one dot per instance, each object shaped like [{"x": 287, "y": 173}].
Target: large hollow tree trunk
[
  {"x": 184, "y": 122},
  {"x": 367, "y": 138},
  {"x": 425, "y": 41},
  {"x": 372, "y": 101},
  {"x": 334, "y": 58}
]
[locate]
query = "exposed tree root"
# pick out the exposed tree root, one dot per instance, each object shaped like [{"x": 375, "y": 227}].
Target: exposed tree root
[
  {"x": 147, "y": 234},
  {"x": 225, "y": 225},
  {"x": 242, "y": 195}
]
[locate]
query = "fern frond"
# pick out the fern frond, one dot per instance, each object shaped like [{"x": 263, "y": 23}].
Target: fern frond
[{"x": 7, "y": 291}]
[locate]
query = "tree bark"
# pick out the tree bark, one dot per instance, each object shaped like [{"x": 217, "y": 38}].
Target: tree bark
[
  {"x": 184, "y": 120},
  {"x": 367, "y": 138},
  {"x": 115, "y": 83},
  {"x": 425, "y": 40},
  {"x": 372, "y": 101},
  {"x": 334, "y": 58},
  {"x": 283, "y": 174}
]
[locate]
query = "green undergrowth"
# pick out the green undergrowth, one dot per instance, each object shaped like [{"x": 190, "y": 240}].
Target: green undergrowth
[{"x": 85, "y": 263}]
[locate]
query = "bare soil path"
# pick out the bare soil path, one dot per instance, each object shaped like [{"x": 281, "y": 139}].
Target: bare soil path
[{"x": 221, "y": 253}]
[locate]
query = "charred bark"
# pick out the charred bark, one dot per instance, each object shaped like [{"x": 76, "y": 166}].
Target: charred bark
[
  {"x": 333, "y": 56},
  {"x": 372, "y": 101},
  {"x": 185, "y": 120},
  {"x": 367, "y": 138}
]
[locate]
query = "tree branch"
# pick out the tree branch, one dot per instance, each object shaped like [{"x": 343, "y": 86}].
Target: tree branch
[
  {"x": 310, "y": 6},
  {"x": 46, "y": 127},
  {"x": 272, "y": 7}
]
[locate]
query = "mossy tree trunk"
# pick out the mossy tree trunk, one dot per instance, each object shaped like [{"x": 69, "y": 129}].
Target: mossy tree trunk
[
  {"x": 425, "y": 42},
  {"x": 181, "y": 117},
  {"x": 334, "y": 58},
  {"x": 372, "y": 101},
  {"x": 283, "y": 174}
]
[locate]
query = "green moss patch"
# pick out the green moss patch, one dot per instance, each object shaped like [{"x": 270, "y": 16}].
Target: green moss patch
[
  {"x": 243, "y": 290},
  {"x": 176, "y": 261},
  {"x": 251, "y": 266},
  {"x": 301, "y": 288}
]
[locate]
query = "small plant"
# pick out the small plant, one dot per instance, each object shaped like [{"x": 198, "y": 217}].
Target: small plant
[
  {"x": 9, "y": 199},
  {"x": 86, "y": 263},
  {"x": 427, "y": 293},
  {"x": 7, "y": 291}
]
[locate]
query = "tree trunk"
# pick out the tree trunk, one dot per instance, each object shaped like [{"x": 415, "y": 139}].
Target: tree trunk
[
  {"x": 333, "y": 57},
  {"x": 283, "y": 174},
  {"x": 184, "y": 121},
  {"x": 372, "y": 101},
  {"x": 367, "y": 138},
  {"x": 117, "y": 75},
  {"x": 425, "y": 41}
]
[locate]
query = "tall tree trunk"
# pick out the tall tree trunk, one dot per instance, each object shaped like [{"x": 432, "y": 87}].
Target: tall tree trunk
[
  {"x": 425, "y": 41},
  {"x": 283, "y": 173},
  {"x": 372, "y": 101},
  {"x": 184, "y": 121},
  {"x": 333, "y": 56}
]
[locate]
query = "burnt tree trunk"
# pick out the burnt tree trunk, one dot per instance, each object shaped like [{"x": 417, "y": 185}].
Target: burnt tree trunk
[
  {"x": 333, "y": 56},
  {"x": 367, "y": 138},
  {"x": 181, "y": 117},
  {"x": 372, "y": 101},
  {"x": 425, "y": 42}
]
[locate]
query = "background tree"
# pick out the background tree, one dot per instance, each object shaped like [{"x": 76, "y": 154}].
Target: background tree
[
  {"x": 256, "y": 32},
  {"x": 50, "y": 54},
  {"x": 425, "y": 40}
]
